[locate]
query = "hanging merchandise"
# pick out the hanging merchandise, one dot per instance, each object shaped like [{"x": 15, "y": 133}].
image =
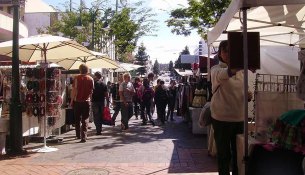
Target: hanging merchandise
[
  {"x": 43, "y": 87},
  {"x": 199, "y": 98}
]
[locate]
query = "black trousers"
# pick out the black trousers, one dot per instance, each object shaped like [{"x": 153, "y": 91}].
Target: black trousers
[{"x": 225, "y": 138}]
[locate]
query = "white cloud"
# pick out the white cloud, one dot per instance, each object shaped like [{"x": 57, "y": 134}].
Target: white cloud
[
  {"x": 166, "y": 49},
  {"x": 167, "y": 46},
  {"x": 167, "y": 5}
]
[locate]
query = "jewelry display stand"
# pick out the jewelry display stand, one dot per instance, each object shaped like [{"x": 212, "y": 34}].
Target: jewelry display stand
[{"x": 51, "y": 87}]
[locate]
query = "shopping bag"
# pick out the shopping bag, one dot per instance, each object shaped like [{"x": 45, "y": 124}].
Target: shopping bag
[{"x": 106, "y": 116}]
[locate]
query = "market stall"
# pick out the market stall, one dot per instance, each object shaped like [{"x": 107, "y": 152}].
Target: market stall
[
  {"x": 278, "y": 23},
  {"x": 43, "y": 94}
]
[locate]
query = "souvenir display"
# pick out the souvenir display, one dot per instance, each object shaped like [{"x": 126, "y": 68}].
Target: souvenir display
[{"x": 43, "y": 87}]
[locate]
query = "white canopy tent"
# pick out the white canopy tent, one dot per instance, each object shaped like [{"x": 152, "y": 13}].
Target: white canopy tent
[
  {"x": 280, "y": 22},
  {"x": 126, "y": 67}
]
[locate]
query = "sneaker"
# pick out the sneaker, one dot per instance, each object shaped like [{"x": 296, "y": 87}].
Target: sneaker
[{"x": 82, "y": 141}]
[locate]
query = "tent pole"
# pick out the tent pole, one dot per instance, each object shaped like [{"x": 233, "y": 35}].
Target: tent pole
[
  {"x": 209, "y": 63},
  {"x": 245, "y": 50}
]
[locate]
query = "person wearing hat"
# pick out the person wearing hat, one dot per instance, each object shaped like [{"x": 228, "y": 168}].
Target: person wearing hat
[
  {"x": 226, "y": 111},
  {"x": 100, "y": 94},
  {"x": 82, "y": 89}
]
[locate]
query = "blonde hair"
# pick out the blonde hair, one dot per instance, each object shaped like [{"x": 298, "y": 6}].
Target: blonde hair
[{"x": 126, "y": 75}]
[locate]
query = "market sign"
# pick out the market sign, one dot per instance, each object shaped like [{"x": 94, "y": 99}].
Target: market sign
[{"x": 11, "y": 2}]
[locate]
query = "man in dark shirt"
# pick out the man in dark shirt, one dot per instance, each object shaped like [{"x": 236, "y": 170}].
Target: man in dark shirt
[
  {"x": 116, "y": 98},
  {"x": 100, "y": 94}
]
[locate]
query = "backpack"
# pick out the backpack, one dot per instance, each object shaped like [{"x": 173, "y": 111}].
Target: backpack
[{"x": 147, "y": 94}]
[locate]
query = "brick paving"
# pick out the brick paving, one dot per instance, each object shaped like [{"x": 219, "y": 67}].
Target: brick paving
[{"x": 143, "y": 150}]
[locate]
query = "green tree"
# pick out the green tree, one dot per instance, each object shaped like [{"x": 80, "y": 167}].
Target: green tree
[
  {"x": 156, "y": 68},
  {"x": 178, "y": 63},
  {"x": 200, "y": 15},
  {"x": 141, "y": 59},
  {"x": 128, "y": 24},
  {"x": 171, "y": 66}
]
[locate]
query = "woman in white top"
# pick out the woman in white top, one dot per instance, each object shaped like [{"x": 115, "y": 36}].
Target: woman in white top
[{"x": 226, "y": 110}]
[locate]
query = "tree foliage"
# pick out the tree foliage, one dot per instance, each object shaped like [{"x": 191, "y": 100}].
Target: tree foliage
[
  {"x": 171, "y": 66},
  {"x": 200, "y": 15},
  {"x": 128, "y": 24},
  {"x": 178, "y": 63},
  {"x": 141, "y": 59},
  {"x": 156, "y": 68},
  {"x": 125, "y": 31}
]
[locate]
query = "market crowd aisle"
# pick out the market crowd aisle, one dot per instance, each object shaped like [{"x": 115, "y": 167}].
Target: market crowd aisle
[{"x": 167, "y": 149}]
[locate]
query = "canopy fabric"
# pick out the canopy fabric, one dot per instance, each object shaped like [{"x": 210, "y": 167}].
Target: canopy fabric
[
  {"x": 280, "y": 24},
  {"x": 98, "y": 60},
  {"x": 255, "y": 3},
  {"x": 45, "y": 47},
  {"x": 184, "y": 72},
  {"x": 126, "y": 67}
]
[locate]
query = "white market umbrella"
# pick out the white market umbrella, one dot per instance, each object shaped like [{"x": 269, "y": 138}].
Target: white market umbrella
[
  {"x": 126, "y": 67},
  {"x": 97, "y": 60},
  {"x": 45, "y": 47}
]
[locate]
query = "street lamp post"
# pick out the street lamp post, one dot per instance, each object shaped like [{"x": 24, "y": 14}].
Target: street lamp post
[
  {"x": 15, "y": 136},
  {"x": 93, "y": 14},
  {"x": 93, "y": 18}
]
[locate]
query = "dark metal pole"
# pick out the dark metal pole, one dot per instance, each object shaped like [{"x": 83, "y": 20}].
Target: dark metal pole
[
  {"x": 93, "y": 20},
  {"x": 15, "y": 136},
  {"x": 116, "y": 6},
  {"x": 245, "y": 49},
  {"x": 70, "y": 5}
]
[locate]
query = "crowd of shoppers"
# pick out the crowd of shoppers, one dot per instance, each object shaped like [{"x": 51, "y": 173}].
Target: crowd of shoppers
[{"x": 137, "y": 98}]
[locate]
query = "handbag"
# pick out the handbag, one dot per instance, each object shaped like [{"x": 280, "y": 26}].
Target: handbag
[
  {"x": 106, "y": 117},
  {"x": 205, "y": 118}
]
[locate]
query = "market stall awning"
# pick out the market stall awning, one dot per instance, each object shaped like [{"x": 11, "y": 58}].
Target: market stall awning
[
  {"x": 184, "y": 72},
  {"x": 97, "y": 60},
  {"x": 45, "y": 47},
  {"x": 276, "y": 23},
  {"x": 126, "y": 67}
]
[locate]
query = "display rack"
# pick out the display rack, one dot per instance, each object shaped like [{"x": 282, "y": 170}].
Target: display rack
[
  {"x": 43, "y": 98},
  {"x": 274, "y": 95}
]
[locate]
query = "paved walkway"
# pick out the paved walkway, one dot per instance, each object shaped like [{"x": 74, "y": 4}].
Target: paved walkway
[{"x": 143, "y": 150}]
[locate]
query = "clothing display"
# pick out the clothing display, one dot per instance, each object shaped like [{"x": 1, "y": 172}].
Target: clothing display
[
  {"x": 199, "y": 98},
  {"x": 289, "y": 130}
]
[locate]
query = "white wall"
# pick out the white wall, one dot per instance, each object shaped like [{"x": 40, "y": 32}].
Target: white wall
[{"x": 36, "y": 20}]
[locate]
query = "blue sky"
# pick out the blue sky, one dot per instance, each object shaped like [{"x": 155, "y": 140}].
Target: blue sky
[{"x": 165, "y": 46}]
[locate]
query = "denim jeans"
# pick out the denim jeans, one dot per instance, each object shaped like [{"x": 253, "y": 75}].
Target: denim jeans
[
  {"x": 97, "y": 109},
  {"x": 126, "y": 112},
  {"x": 145, "y": 107},
  {"x": 117, "y": 108}
]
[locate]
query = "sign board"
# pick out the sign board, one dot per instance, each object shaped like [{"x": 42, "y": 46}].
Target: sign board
[{"x": 189, "y": 59}]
